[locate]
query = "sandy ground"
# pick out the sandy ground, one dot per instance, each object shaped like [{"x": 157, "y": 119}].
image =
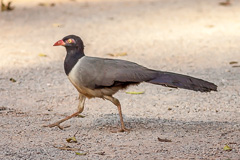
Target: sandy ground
[{"x": 197, "y": 38}]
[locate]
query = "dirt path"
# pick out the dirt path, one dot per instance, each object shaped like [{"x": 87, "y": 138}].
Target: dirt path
[{"x": 197, "y": 38}]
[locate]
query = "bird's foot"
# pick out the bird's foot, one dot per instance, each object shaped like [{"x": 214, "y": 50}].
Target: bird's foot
[
  {"x": 57, "y": 124},
  {"x": 120, "y": 130},
  {"x": 124, "y": 130}
]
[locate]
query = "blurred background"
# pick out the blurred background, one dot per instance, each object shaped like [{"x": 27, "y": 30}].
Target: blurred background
[{"x": 167, "y": 30}]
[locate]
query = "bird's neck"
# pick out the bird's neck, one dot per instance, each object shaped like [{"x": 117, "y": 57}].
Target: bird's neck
[{"x": 72, "y": 57}]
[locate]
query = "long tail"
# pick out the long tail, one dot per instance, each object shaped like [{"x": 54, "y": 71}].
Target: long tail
[{"x": 174, "y": 80}]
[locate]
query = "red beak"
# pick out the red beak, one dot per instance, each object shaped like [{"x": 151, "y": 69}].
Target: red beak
[{"x": 59, "y": 43}]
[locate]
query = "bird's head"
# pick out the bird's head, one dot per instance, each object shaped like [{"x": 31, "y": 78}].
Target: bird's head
[{"x": 71, "y": 42}]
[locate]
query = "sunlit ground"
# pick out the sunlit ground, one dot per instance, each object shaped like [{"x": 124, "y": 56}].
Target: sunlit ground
[{"x": 198, "y": 38}]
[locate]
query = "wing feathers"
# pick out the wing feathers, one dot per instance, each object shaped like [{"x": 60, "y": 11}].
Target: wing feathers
[
  {"x": 96, "y": 73},
  {"x": 182, "y": 81}
]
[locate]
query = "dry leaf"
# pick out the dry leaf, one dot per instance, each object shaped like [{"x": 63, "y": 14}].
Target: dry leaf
[
  {"x": 141, "y": 92},
  {"x": 42, "y": 55},
  {"x": 227, "y": 148},
  {"x": 210, "y": 26},
  {"x": 72, "y": 140},
  {"x": 164, "y": 140},
  {"x": 7, "y": 7},
  {"x": 227, "y": 3},
  {"x": 80, "y": 116},
  {"x": 117, "y": 54},
  {"x": 46, "y": 4},
  {"x": 233, "y": 62},
  {"x": 12, "y": 80},
  {"x": 236, "y": 66},
  {"x": 81, "y": 154}
]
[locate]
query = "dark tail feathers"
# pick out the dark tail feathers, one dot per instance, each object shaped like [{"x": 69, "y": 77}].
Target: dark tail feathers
[{"x": 174, "y": 80}]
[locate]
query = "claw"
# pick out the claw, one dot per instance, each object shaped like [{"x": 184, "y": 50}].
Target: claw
[
  {"x": 57, "y": 124},
  {"x": 124, "y": 130},
  {"x": 120, "y": 130}
]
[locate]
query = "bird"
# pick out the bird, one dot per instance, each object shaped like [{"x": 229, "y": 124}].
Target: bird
[{"x": 96, "y": 77}]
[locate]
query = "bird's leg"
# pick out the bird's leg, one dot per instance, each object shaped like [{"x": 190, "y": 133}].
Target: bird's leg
[
  {"x": 117, "y": 103},
  {"x": 82, "y": 99}
]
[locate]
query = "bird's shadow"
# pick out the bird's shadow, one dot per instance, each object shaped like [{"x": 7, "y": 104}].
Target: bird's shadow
[{"x": 110, "y": 121}]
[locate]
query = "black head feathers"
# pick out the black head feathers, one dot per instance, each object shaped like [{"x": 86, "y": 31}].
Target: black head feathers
[{"x": 72, "y": 41}]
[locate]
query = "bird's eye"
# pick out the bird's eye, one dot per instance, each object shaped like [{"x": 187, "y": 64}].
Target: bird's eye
[{"x": 70, "y": 41}]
